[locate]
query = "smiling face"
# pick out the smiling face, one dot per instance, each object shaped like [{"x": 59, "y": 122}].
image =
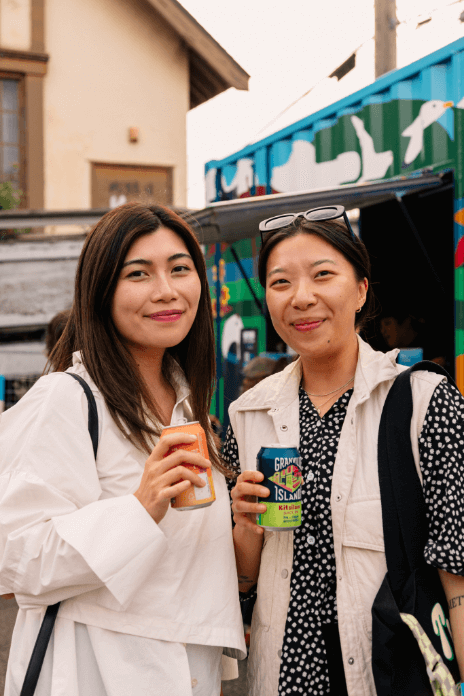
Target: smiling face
[
  {"x": 157, "y": 293},
  {"x": 312, "y": 294}
]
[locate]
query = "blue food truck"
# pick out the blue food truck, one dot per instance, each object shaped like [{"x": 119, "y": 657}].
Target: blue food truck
[{"x": 392, "y": 154}]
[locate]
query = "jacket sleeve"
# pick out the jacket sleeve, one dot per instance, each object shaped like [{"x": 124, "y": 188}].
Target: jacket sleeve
[{"x": 57, "y": 538}]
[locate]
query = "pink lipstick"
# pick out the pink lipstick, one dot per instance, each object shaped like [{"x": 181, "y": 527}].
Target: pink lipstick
[
  {"x": 169, "y": 315},
  {"x": 308, "y": 325}
]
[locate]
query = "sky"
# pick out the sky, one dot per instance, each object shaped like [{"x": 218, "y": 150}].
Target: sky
[{"x": 288, "y": 48}]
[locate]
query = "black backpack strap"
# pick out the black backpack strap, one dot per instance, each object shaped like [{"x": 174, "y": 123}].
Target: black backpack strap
[
  {"x": 404, "y": 517},
  {"x": 93, "y": 413},
  {"x": 46, "y": 629},
  {"x": 38, "y": 653}
]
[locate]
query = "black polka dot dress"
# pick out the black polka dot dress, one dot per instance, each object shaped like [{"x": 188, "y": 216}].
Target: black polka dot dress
[{"x": 311, "y": 656}]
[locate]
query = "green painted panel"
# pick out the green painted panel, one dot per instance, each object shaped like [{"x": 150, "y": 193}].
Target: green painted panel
[
  {"x": 221, "y": 401},
  {"x": 239, "y": 290},
  {"x": 209, "y": 255},
  {"x": 459, "y": 341},
  {"x": 385, "y": 123},
  {"x": 459, "y": 283},
  {"x": 242, "y": 248},
  {"x": 459, "y": 308}
]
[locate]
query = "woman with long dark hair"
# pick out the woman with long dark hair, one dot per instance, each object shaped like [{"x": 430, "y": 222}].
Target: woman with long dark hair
[{"x": 148, "y": 596}]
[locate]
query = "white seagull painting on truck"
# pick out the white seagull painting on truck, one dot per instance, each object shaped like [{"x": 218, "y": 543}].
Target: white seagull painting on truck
[
  {"x": 374, "y": 164},
  {"x": 428, "y": 114}
]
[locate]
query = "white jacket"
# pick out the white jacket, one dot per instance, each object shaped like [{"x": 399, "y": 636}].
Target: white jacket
[
  {"x": 71, "y": 529},
  {"x": 270, "y": 413}
]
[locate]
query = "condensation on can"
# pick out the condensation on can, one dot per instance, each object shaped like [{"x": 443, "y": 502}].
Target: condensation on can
[
  {"x": 281, "y": 466},
  {"x": 193, "y": 498}
]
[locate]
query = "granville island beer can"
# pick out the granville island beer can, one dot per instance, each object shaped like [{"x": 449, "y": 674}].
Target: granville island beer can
[
  {"x": 193, "y": 498},
  {"x": 282, "y": 476}
]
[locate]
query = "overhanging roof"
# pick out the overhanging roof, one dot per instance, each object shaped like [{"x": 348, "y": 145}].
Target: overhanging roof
[
  {"x": 212, "y": 69},
  {"x": 230, "y": 221}
]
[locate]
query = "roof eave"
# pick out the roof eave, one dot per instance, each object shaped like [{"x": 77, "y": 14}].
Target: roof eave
[{"x": 212, "y": 69}]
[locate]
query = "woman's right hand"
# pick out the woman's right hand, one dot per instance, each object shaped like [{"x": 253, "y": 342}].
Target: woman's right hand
[
  {"x": 244, "y": 505},
  {"x": 164, "y": 477}
]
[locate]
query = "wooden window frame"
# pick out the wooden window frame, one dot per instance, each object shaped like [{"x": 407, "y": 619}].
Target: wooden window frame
[
  {"x": 20, "y": 79},
  {"x": 30, "y": 67}
]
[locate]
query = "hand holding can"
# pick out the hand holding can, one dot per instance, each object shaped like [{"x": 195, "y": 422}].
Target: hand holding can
[
  {"x": 166, "y": 475},
  {"x": 193, "y": 498}
]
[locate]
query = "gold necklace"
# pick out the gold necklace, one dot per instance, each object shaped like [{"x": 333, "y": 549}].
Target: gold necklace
[
  {"x": 332, "y": 392},
  {"x": 318, "y": 408}
]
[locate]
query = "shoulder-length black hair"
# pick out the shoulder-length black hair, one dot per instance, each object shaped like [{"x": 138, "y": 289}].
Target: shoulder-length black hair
[
  {"x": 91, "y": 329},
  {"x": 337, "y": 235}
]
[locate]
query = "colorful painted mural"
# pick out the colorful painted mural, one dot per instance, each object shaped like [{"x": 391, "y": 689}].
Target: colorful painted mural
[{"x": 408, "y": 121}]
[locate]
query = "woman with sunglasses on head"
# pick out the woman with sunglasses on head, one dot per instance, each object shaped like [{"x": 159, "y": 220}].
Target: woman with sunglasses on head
[
  {"x": 148, "y": 593},
  {"x": 315, "y": 588}
]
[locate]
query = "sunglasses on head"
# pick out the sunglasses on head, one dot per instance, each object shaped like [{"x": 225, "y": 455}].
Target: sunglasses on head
[{"x": 278, "y": 222}]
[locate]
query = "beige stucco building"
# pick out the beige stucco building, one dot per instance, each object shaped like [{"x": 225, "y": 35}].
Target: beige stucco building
[{"x": 94, "y": 96}]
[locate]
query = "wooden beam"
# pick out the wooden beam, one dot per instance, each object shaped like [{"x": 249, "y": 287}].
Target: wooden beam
[
  {"x": 25, "y": 62},
  {"x": 38, "y": 25},
  {"x": 34, "y": 102},
  {"x": 203, "y": 43}
]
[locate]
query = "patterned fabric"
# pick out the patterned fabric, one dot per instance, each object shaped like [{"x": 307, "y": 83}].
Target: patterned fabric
[
  {"x": 312, "y": 611},
  {"x": 440, "y": 677}
]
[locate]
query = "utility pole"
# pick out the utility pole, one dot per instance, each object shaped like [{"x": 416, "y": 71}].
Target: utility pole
[{"x": 385, "y": 36}]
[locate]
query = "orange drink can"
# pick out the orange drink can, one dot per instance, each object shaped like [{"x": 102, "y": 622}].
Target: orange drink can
[{"x": 193, "y": 498}]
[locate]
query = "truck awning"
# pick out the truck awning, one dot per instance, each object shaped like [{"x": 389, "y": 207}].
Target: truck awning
[{"x": 229, "y": 221}]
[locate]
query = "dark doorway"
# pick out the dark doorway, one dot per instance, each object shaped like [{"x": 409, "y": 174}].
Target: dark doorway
[{"x": 413, "y": 283}]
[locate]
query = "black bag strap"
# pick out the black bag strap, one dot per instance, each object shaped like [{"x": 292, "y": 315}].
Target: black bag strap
[
  {"x": 46, "y": 629},
  {"x": 403, "y": 507},
  {"x": 93, "y": 413}
]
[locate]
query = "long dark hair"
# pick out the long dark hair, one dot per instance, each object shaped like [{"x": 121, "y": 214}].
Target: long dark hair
[
  {"x": 91, "y": 330},
  {"x": 337, "y": 235}
]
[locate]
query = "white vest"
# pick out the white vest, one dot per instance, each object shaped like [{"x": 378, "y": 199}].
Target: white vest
[{"x": 270, "y": 413}]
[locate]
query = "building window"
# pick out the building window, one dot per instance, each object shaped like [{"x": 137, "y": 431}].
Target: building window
[{"x": 10, "y": 137}]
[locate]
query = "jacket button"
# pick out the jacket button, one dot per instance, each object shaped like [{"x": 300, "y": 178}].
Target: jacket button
[
  {"x": 311, "y": 540},
  {"x": 338, "y": 498},
  {"x": 274, "y": 410},
  {"x": 284, "y": 573},
  {"x": 194, "y": 683},
  {"x": 351, "y": 661},
  {"x": 284, "y": 427}
]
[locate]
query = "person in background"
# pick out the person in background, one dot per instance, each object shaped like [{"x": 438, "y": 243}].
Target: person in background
[
  {"x": 149, "y": 595},
  {"x": 256, "y": 370},
  {"x": 400, "y": 328},
  {"x": 55, "y": 328}
]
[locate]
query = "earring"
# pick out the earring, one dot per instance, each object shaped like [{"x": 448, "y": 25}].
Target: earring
[{"x": 358, "y": 310}]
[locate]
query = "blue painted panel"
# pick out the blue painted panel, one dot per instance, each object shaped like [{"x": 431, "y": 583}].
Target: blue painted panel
[
  {"x": 229, "y": 173},
  {"x": 261, "y": 173},
  {"x": 233, "y": 272},
  {"x": 280, "y": 152}
]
